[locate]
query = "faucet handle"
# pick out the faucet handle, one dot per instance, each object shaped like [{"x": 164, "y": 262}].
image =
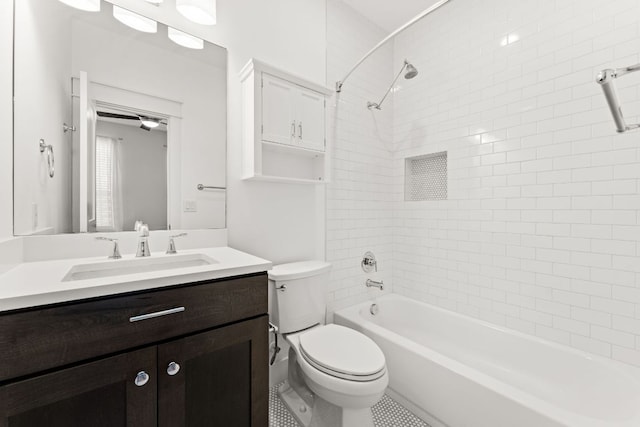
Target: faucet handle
[
  {"x": 172, "y": 245},
  {"x": 144, "y": 230},
  {"x": 369, "y": 262},
  {"x": 116, "y": 248}
]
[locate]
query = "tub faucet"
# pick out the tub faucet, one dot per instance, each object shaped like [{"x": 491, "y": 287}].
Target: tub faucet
[
  {"x": 375, "y": 284},
  {"x": 143, "y": 242}
]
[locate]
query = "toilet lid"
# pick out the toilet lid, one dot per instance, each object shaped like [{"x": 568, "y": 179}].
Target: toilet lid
[{"x": 343, "y": 353}]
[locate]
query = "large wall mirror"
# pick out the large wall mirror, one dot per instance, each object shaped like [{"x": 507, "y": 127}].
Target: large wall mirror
[{"x": 113, "y": 125}]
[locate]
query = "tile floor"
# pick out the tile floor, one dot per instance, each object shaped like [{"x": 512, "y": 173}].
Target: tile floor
[{"x": 386, "y": 413}]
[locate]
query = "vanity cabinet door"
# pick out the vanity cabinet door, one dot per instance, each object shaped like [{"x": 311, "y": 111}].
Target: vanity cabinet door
[
  {"x": 215, "y": 378},
  {"x": 97, "y": 394}
]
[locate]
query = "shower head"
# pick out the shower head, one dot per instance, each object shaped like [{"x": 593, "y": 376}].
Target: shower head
[{"x": 410, "y": 73}]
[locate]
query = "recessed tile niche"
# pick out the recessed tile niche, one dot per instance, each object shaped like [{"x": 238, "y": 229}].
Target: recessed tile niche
[{"x": 426, "y": 177}]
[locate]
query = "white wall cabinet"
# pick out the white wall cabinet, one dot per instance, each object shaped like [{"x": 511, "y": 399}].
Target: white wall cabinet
[{"x": 284, "y": 126}]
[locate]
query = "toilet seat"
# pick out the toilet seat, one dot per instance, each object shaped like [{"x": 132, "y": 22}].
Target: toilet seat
[{"x": 342, "y": 353}]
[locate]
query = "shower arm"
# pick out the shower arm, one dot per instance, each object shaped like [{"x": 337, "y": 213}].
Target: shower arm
[
  {"x": 606, "y": 80},
  {"x": 377, "y": 106},
  {"x": 389, "y": 37}
]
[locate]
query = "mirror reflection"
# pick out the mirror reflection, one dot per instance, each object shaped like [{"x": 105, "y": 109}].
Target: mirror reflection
[
  {"x": 126, "y": 189},
  {"x": 131, "y": 122}
]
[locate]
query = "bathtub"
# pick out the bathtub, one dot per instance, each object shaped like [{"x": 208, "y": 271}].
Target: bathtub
[{"x": 457, "y": 371}]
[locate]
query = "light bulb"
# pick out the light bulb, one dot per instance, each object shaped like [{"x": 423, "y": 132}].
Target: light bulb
[
  {"x": 86, "y": 5},
  {"x": 184, "y": 39},
  {"x": 199, "y": 11},
  {"x": 135, "y": 21}
]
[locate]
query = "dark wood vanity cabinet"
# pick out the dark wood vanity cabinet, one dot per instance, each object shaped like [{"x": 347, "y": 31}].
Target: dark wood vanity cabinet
[
  {"x": 97, "y": 394},
  {"x": 212, "y": 372}
]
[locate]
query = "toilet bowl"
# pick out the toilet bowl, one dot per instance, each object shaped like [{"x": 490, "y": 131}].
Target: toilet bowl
[{"x": 335, "y": 373}]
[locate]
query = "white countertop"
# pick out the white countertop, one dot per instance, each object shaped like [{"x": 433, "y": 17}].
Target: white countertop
[{"x": 31, "y": 284}]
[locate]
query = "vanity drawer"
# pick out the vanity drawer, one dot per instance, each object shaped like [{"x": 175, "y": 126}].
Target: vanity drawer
[{"x": 40, "y": 339}]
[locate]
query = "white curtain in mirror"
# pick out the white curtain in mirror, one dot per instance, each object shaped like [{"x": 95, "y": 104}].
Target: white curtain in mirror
[{"x": 109, "y": 212}]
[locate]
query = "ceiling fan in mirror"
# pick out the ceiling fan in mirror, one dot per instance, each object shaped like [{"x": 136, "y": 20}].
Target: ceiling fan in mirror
[{"x": 146, "y": 122}]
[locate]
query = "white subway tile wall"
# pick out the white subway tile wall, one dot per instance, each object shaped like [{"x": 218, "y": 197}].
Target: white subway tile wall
[
  {"x": 541, "y": 229},
  {"x": 360, "y": 196}
]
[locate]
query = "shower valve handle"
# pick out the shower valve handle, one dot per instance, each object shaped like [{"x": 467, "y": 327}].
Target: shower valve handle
[{"x": 369, "y": 262}]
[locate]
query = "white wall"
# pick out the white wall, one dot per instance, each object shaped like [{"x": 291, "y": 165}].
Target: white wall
[
  {"x": 360, "y": 196},
  {"x": 276, "y": 221},
  {"x": 280, "y": 222},
  {"x": 143, "y": 170},
  {"x": 6, "y": 119},
  {"x": 42, "y": 78},
  {"x": 540, "y": 231}
]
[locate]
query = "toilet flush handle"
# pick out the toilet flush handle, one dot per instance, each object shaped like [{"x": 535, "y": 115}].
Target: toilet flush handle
[{"x": 282, "y": 288}]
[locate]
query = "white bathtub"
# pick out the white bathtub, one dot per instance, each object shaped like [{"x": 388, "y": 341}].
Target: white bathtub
[{"x": 458, "y": 371}]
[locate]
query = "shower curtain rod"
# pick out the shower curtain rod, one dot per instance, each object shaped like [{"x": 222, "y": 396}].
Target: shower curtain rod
[{"x": 418, "y": 17}]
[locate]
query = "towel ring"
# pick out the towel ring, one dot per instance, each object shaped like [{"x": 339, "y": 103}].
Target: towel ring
[{"x": 50, "y": 159}]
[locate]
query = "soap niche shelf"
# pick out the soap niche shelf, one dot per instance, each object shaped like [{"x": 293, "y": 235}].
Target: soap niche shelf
[{"x": 284, "y": 126}]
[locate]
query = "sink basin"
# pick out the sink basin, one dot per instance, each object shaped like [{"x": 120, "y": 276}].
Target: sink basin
[{"x": 137, "y": 265}]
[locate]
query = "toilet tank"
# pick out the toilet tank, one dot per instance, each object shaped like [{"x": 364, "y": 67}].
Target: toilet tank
[{"x": 298, "y": 293}]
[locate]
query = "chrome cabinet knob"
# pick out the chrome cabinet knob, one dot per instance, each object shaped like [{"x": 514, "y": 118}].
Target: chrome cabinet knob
[
  {"x": 173, "y": 368},
  {"x": 141, "y": 379}
]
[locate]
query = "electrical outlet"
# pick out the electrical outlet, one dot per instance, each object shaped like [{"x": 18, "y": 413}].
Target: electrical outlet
[{"x": 190, "y": 206}]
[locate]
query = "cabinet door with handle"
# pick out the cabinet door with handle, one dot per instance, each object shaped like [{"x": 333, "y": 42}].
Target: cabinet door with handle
[
  {"x": 278, "y": 110},
  {"x": 215, "y": 378},
  {"x": 310, "y": 130},
  {"x": 112, "y": 392}
]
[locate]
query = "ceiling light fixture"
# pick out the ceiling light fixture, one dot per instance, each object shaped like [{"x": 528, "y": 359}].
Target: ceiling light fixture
[
  {"x": 135, "y": 21},
  {"x": 149, "y": 122},
  {"x": 184, "y": 39},
  {"x": 86, "y": 5},
  {"x": 199, "y": 11},
  {"x": 156, "y": 2}
]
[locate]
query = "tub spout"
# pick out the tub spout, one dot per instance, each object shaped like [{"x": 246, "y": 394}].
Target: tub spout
[{"x": 375, "y": 284}]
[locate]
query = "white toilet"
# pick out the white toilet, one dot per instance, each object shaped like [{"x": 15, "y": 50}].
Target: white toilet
[{"x": 335, "y": 374}]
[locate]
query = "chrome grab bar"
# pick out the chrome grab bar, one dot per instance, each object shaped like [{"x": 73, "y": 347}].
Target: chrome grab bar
[
  {"x": 156, "y": 314},
  {"x": 605, "y": 79},
  {"x": 209, "y": 187}
]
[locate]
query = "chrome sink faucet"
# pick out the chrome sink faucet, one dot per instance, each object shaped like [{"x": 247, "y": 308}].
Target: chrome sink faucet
[
  {"x": 171, "y": 249},
  {"x": 115, "y": 254},
  {"x": 143, "y": 242}
]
